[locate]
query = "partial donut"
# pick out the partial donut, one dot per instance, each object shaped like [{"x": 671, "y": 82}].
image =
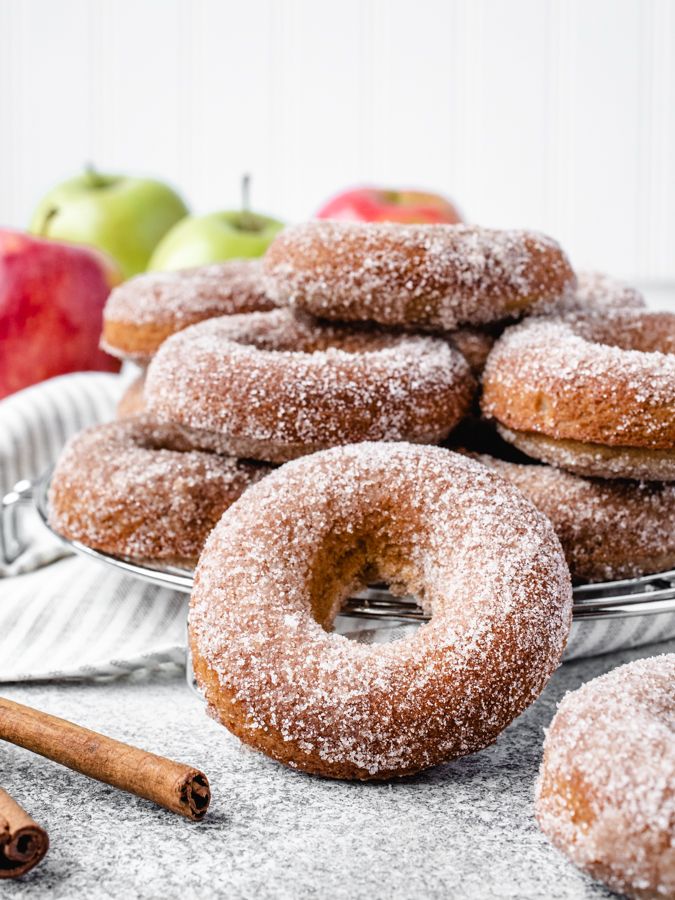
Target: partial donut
[
  {"x": 594, "y": 394},
  {"x": 475, "y": 344},
  {"x": 428, "y": 276},
  {"x": 606, "y": 790},
  {"x": 595, "y": 292},
  {"x": 141, "y": 313},
  {"x": 136, "y": 489},
  {"x": 131, "y": 403},
  {"x": 275, "y": 386},
  {"x": 594, "y": 460},
  {"x": 608, "y": 529},
  {"x": 482, "y": 560}
]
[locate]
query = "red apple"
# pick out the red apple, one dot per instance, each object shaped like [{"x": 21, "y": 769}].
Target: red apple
[
  {"x": 369, "y": 204},
  {"x": 51, "y": 305}
]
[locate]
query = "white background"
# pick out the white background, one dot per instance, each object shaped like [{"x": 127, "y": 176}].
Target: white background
[{"x": 555, "y": 114}]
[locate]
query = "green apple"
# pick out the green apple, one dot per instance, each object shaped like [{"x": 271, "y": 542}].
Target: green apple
[
  {"x": 199, "y": 240},
  {"x": 124, "y": 216}
]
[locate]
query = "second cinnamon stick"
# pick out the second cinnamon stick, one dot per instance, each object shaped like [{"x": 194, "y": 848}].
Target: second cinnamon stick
[
  {"x": 23, "y": 843},
  {"x": 175, "y": 786}
]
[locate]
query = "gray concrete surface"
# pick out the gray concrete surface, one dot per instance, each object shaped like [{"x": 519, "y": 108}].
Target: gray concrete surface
[{"x": 465, "y": 830}]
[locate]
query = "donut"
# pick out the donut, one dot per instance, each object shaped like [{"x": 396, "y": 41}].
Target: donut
[
  {"x": 131, "y": 403},
  {"x": 608, "y": 529},
  {"x": 595, "y": 291},
  {"x": 134, "y": 488},
  {"x": 141, "y": 313},
  {"x": 594, "y": 394},
  {"x": 433, "y": 277},
  {"x": 605, "y": 796},
  {"x": 475, "y": 345},
  {"x": 484, "y": 562},
  {"x": 275, "y": 386}
]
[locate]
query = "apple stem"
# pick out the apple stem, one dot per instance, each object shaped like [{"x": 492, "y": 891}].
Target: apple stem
[
  {"x": 247, "y": 219},
  {"x": 246, "y": 193},
  {"x": 49, "y": 215},
  {"x": 95, "y": 178}
]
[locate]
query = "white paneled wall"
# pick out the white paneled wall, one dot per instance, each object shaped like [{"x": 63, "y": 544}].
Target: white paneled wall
[{"x": 558, "y": 114}]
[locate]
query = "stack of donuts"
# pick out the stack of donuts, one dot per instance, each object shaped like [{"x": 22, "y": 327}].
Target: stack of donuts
[
  {"x": 350, "y": 332},
  {"x": 447, "y": 409}
]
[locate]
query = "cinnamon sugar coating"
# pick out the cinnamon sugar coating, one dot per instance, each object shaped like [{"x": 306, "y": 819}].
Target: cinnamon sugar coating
[
  {"x": 275, "y": 386},
  {"x": 605, "y": 378},
  {"x": 608, "y": 529},
  {"x": 429, "y": 276},
  {"x": 482, "y": 560},
  {"x": 141, "y": 313},
  {"x": 606, "y": 790},
  {"x": 133, "y": 488}
]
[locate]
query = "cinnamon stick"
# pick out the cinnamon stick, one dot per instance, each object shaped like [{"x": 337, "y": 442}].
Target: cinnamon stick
[
  {"x": 175, "y": 786},
  {"x": 23, "y": 843}
]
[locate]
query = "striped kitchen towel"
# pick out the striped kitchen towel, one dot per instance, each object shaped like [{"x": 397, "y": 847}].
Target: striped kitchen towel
[
  {"x": 34, "y": 425},
  {"x": 62, "y": 616}
]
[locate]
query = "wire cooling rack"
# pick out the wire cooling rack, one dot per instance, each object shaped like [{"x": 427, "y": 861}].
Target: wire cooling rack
[{"x": 646, "y": 596}]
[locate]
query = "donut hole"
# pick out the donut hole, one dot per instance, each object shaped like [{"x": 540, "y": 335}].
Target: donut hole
[
  {"x": 280, "y": 332},
  {"x": 331, "y": 339},
  {"x": 346, "y": 563}
]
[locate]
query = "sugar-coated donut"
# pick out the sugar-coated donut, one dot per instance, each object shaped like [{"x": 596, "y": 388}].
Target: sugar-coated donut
[
  {"x": 131, "y": 403},
  {"x": 608, "y": 529},
  {"x": 606, "y": 790},
  {"x": 274, "y": 386},
  {"x": 594, "y": 394},
  {"x": 428, "y": 276},
  {"x": 136, "y": 489},
  {"x": 484, "y": 562},
  {"x": 595, "y": 291},
  {"x": 141, "y": 313}
]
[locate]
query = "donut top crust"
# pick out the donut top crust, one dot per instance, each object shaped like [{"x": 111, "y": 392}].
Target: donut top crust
[
  {"x": 606, "y": 378},
  {"x": 433, "y": 276},
  {"x": 481, "y": 559},
  {"x": 606, "y": 790},
  {"x": 143, "y": 311},
  {"x": 288, "y": 368}
]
